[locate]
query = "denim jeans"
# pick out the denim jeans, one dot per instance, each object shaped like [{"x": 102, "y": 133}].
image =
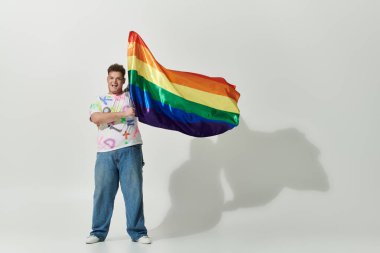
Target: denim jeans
[{"x": 125, "y": 166}]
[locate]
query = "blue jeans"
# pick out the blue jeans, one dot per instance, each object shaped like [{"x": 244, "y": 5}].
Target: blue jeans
[{"x": 125, "y": 166}]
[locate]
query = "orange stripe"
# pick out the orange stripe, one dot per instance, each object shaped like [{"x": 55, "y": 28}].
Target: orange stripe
[
  {"x": 208, "y": 84},
  {"x": 215, "y": 85}
]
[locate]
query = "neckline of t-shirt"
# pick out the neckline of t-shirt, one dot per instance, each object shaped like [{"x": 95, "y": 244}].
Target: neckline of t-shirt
[{"x": 114, "y": 95}]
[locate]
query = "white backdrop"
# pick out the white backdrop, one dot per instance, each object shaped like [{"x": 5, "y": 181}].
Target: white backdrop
[{"x": 299, "y": 174}]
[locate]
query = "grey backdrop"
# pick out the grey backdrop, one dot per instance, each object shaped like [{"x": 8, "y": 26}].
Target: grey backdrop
[{"x": 300, "y": 173}]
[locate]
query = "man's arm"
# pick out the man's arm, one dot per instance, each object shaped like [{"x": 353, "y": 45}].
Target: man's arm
[{"x": 99, "y": 118}]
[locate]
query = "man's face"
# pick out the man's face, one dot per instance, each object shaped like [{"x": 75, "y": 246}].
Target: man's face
[{"x": 115, "y": 82}]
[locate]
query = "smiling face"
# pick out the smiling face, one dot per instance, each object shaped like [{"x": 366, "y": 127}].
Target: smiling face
[{"x": 115, "y": 80}]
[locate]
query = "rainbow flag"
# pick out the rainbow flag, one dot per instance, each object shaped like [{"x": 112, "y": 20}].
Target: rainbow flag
[{"x": 190, "y": 103}]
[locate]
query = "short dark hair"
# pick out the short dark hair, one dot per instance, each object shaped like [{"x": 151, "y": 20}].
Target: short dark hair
[{"x": 117, "y": 68}]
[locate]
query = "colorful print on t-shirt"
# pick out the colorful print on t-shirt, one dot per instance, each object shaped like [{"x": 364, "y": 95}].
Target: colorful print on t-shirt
[{"x": 117, "y": 134}]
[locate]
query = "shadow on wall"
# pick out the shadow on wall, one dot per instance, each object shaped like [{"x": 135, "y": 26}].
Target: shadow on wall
[{"x": 256, "y": 165}]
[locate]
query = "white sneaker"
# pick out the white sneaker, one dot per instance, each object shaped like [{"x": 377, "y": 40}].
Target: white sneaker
[
  {"x": 93, "y": 239},
  {"x": 144, "y": 239}
]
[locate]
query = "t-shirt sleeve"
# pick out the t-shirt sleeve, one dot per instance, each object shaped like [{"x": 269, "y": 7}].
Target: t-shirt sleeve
[{"x": 95, "y": 107}]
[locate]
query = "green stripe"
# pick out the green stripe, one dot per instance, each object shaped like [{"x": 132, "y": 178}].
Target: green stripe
[{"x": 180, "y": 103}]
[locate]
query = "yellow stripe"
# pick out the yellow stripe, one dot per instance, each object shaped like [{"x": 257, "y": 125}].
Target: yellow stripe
[{"x": 201, "y": 97}]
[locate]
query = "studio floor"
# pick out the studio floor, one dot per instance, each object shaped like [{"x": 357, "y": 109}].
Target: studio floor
[{"x": 39, "y": 226}]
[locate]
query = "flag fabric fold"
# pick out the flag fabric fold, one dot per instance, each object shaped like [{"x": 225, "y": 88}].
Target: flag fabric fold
[{"x": 190, "y": 103}]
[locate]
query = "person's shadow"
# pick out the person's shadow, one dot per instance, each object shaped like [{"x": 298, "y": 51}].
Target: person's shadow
[{"x": 256, "y": 166}]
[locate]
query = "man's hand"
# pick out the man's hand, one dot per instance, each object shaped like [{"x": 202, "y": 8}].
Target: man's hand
[{"x": 130, "y": 112}]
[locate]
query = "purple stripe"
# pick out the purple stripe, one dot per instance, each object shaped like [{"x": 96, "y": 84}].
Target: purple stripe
[{"x": 197, "y": 129}]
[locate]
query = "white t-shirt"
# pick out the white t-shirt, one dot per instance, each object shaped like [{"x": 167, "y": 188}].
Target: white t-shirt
[{"x": 117, "y": 134}]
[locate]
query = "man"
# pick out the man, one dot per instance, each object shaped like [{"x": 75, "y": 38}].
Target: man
[{"x": 119, "y": 159}]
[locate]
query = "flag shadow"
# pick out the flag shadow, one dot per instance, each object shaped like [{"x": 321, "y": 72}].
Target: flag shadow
[{"x": 257, "y": 166}]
